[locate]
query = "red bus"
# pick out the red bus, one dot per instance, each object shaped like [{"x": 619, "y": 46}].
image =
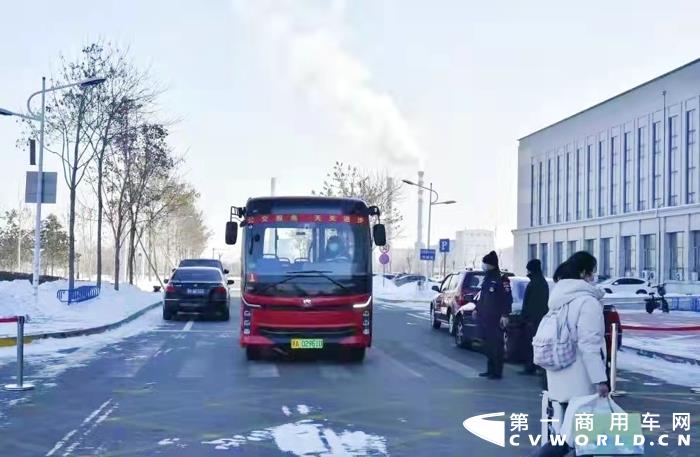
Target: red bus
[{"x": 306, "y": 273}]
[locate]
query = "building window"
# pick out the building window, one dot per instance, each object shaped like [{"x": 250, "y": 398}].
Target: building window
[
  {"x": 580, "y": 196},
  {"x": 691, "y": 169},
  {"x": 559, "y": 189},
  {"x": 572, "y": 247},
  {"x": 532, "y": 251},
  {"x": 589, "y": 182},
  {"x": 602, "y": 179},
  {"x": 605, "y": 269},
  {"x": 648, "y": 260},
  {"x": 695, "y": 253},
  {"x": 589, "y": 246},
  {"x": 675, "y": 256},
  {"x": 569, "y": 186},
  {"x": 627, "y": 172},
  {"x": 657, "y": 165},
  {"x": 641, "y": 168},
  {"x": 533, "y": 195},
  {"x": 544, "y": 257},
  {"x": 628, "y": 256},
  {"x": 558, "y": 253},
  {"x": 674, "y": 162},
  {"x": 614, "y": 174},
  {"x": 540, "y": 203},
  {"x": 550, "y": 194}
]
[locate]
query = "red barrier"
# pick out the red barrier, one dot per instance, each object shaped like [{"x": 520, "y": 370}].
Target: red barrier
[
  {"x": 8, "y": 319},
  {"x": 687, "y": 328}
]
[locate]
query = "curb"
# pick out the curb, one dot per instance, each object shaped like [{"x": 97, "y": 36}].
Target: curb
[
  {"x": 663, "y": 356},
  {"x": 12, "y": 341}
]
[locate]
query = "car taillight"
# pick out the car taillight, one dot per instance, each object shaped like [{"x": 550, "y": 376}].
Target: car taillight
[
  {"x": 169, "y": 289},
  {"x": 221, "y": 290}
]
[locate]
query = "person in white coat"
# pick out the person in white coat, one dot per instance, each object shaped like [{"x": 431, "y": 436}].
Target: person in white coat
[{"x": 574, "y": 286}]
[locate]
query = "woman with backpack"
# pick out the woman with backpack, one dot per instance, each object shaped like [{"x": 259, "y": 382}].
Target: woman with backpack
[{"x": 577, "y": 367}]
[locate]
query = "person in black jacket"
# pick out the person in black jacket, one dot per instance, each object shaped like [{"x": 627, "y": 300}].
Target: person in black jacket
[
  {"x": 492, "y": 310},
  {"x": 534, "y": 309}
]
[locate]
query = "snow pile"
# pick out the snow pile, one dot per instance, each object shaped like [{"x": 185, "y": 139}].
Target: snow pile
[
  {"x": 387, "y": 290},
  {"x": 47, "y": 314}
]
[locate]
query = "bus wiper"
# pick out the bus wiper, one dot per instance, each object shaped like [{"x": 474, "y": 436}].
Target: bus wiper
[{"x": 319, "y": 273}]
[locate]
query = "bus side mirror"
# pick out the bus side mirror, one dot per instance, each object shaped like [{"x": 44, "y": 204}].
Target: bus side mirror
[
  {"x": 231, "y": 232},
  {"x": 379, "y": 234}
]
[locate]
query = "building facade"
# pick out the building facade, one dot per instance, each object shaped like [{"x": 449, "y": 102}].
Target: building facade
[{"x": 620, "y": 180}]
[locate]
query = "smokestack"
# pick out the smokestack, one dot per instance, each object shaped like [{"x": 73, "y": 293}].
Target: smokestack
[
  {"x": 273, "y": 185},
  {"x": 419, "y": 235}
]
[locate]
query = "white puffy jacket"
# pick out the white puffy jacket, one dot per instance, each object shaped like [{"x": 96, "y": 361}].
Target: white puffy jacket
[{"x": 585, "y": 319}]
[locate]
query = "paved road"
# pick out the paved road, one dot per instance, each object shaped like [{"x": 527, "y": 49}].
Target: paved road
[{"x": 185, "y": 389}]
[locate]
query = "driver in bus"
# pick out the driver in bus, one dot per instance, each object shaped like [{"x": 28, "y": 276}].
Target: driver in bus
[{"x": 335, "y": 249}]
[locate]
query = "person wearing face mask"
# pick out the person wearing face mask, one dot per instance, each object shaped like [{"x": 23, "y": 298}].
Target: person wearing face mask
[
  {"x": 491, "y": 314},
  {"x": 576, "y": 290},
  {"x": 335, "y": 249},
  {"x": 534, "y": 309}
]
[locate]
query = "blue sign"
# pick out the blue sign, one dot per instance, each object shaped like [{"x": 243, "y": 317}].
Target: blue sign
[
  {"x": 444, "y": 245},
  {"x": 427, "y": 254}
]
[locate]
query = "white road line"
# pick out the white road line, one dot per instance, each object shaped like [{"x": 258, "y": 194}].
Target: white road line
[
  {"x": 263, "y": 370},
  {"x": 188, "y": 326},
  {"x": 334, "y": 372},
  {"x": 133, "y": 364},
  {"x": 445, "y": 362},
  {"x": 89, "y": 430},
  {"x": 384, "y": 357},
  {"x": 63, "y": 441},
  {"x": 418, "y": 316}
]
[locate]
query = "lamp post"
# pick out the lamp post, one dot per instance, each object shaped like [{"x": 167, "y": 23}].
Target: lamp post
[
  {"x": 434, "y": 197},
  {"x": 41, "y": 119}
]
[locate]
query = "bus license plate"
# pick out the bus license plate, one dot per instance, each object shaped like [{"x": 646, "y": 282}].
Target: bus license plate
[{"x": 306, "y": 343}]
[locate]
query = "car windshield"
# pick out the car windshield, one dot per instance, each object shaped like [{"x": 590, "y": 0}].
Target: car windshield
[
  {"x": 196, "y": 274},
  {"x": 307, "y": 258}
]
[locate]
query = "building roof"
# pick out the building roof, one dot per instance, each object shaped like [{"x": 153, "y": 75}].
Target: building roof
[{"x": 612, "y": 98}]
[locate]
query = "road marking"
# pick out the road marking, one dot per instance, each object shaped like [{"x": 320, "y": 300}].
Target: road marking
[
  {"x": 226, "y": 332},
  {"x": 188, "y": 326},
  {"x": 89, "y": 430},
  {"x": 194, "y": 367},
  {"x": 63, "y": 441},
  {"x": 334, "y": 372},
  {"x": 445, "y": 362},
  {"x": 263, "y": 370},
  {"x": 383, "y": 356},
  {"x": 133, "y": 364},
  {"x": 418, "y": 316}
]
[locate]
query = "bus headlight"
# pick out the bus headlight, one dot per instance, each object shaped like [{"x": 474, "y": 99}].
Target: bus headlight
[{"x": 363, "y": 305}]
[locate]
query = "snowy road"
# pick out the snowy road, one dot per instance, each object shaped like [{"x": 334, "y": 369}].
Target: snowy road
[{"x": 184, "y": 388}]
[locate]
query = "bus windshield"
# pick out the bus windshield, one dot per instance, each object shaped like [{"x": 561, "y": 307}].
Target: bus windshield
[{"x": 291, "y": 258}]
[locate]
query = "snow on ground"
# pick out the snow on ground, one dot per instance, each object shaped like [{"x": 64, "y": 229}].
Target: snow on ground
[
  {"x": 47, "y": 314},
  {"x": 683, "y": 374},
  {"x": 387, "y": 290}
]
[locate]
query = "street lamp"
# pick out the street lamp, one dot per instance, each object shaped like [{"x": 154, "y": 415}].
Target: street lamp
[
  {"x": 433, "y": 194},
  {"x": 41, "y": 118}
]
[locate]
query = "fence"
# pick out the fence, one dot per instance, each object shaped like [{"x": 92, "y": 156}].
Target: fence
[{"x": 77, "y": 295}]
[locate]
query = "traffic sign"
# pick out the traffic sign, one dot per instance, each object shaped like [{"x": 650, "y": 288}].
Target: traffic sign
[
  {"x": 427, "y": 254},
  {"x": 384, "y": 248},
  {"x": 384, "y": 258},
  {"x": 444, "y": 245}
]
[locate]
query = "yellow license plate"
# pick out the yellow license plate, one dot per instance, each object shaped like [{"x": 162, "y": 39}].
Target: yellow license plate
[{"x": 307, "y": 343}]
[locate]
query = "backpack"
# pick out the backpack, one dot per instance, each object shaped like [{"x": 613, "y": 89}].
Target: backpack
[{"x": 553, "y": 347}]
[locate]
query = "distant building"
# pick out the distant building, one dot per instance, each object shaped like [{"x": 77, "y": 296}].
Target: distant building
[
  {"x": 470, "y": 246},
  {"x": 621, "y": 180}
]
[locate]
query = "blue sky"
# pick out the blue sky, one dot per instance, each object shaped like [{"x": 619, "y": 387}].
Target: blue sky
[{"x": 466, "y": 79}]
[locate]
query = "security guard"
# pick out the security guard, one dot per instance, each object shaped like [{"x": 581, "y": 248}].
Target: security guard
[{"x": 492, "y": 310}]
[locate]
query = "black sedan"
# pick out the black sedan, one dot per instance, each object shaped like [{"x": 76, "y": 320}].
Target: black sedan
[{"x": 197, "y": 290}]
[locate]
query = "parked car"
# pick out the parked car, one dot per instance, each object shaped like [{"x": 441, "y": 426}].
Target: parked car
[
  {"x": 196, "y": 290},
  {"x": 465, "y": 329},
  {"x": 215, "y": 263},
  {"x": 626, "y": 285},
  {"x": 405, "y": 279},
  {"x": 456, "y": 290}
]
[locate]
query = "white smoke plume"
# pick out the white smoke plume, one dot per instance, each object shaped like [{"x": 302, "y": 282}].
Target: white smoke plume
[{"x": 303, "y": 40}]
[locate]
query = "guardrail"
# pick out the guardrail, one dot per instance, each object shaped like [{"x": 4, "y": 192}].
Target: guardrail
[
  {"x": 684, "y": 303},
  {"x": 20, "y": 385},
  {"x": 77, "y": 295}
]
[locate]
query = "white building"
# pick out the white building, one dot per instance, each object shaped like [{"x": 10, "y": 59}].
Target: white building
[
  {"x": 469, "y": 247},
  {"x": 620, "y": 180}
]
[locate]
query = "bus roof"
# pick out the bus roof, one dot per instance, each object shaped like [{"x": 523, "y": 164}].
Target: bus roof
[{"x": 307, "y": 204}]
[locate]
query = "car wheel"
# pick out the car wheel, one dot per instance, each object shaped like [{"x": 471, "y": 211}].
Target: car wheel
[
  {"x": 252, "y": 353},
  {"x": 433, "y": 320},
  {"x": 608, "y": 291},
  {"x": 450, "y": 322},
  {"x": 642, "y": 292},
  {"x": 460, "y": 338},
  {"x": 225, "y": 315},
  {"x": 167, "y": 314}
]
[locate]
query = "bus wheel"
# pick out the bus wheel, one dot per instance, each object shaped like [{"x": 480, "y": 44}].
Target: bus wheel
[{"x": 252, "y": 353}]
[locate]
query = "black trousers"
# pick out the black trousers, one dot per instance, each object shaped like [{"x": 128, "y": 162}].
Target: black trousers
[
  {"x": 549, "y": 450},
  {"x": 493, "y": 342},
  {"x": 529, "y": 330}
]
